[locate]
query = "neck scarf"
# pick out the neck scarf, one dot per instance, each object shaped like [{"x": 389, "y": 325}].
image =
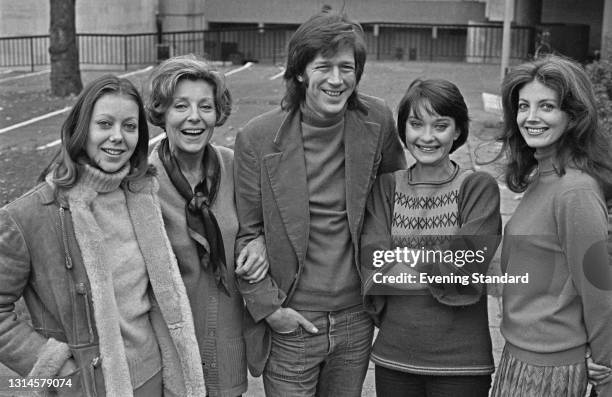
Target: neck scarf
[{"x": 201, "y": 222}]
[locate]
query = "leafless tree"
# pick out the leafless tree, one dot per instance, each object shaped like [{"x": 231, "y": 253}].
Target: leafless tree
[{"x": 63, "y": 49}]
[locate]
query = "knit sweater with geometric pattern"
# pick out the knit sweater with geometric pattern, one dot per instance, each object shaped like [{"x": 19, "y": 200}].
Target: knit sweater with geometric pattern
[{"x": 433, "y": 329}]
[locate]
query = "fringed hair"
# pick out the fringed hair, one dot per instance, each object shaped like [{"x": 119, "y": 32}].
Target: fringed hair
[
  {"x": 435, "y": 96},
  {"x": 325, "y": 33}
]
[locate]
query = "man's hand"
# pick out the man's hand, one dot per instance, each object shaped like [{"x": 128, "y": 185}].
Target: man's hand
[
  {"x": 285, "y": 320},
  {"x": 252, "y": 262}
]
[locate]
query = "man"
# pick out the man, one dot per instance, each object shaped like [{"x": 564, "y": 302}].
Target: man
[{"x": 302, "y": 176}]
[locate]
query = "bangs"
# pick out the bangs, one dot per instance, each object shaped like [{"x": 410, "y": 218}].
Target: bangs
[{"x": 422, "y": 104}]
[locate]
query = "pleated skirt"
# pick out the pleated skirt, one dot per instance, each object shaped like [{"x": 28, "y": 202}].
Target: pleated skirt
[{"x": 515, "y": 378}]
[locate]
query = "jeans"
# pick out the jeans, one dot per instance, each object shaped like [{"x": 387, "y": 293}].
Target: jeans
[
  {"x": 391, "y": 383},
  {"x": 332, "y": 362}
]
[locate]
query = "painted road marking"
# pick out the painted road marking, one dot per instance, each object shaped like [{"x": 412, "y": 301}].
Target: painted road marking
[
  {"x": 240, "y": 69},
  {"x": 279, "y": 74},
  {"x": 56, "y": 112},
  {"x": 136, "y": 72},
  {"x": 151, "y": 142},
  {"x": 35, "y": 119},
  {"x": 22, "y": 76},
  {"x": 156, "y": 139}
]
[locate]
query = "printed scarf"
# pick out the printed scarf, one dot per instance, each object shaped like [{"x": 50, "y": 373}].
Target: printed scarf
[{"x": 201, "y": 222}]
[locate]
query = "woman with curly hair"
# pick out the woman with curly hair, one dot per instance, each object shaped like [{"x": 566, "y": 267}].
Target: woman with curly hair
[{"x": 188, "y": 99}]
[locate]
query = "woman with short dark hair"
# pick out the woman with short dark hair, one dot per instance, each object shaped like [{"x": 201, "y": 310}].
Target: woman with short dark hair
[{"x": 433, "y": 337}]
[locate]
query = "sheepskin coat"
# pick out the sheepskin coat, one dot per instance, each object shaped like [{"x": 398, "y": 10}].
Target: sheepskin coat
[{"x": 67, "y": 291}]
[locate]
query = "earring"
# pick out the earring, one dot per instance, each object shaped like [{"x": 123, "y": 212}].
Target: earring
[{"x": 300, "y": 79}]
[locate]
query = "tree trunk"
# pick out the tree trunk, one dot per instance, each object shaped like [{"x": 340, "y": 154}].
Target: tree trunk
[{"x": 65, "y": 73}]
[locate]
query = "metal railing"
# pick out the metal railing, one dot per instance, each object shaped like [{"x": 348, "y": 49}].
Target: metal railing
[{"x": 418, "y": 42}]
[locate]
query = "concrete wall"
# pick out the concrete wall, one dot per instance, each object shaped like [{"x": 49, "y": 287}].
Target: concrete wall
[
  {"x": 297, "y": 11},
  {"x": 183, "y": 14},
  {"x": 24, "y": 17},
  {"x": 587, "y": 12},
  {"x": 31, "y": 17},
  {"x": 494, "y": 10}
]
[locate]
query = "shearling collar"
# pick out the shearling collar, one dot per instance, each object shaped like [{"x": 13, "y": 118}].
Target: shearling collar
[{"x": 182, "y": 378}]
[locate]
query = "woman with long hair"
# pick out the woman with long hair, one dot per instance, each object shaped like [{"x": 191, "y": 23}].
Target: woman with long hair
[
  {"x": 87, "y": 250},
  {"x": 558, "y": 156}
]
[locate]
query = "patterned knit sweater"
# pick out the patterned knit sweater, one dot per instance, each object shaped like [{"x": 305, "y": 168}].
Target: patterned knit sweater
[{"x": 432, "y": 328}]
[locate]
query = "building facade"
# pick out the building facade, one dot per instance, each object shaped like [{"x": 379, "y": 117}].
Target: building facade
[{"x": 587, "y": 22}]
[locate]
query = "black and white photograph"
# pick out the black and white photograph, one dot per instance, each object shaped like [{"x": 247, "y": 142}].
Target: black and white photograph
[{"x": 306, "y": 198}]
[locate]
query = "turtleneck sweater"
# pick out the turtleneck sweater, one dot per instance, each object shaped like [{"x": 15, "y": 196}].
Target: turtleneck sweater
[
  {"x": 129, "y": 275},
  {"x": 329, "y": 279},
  {"x": 557, "y": 236}
]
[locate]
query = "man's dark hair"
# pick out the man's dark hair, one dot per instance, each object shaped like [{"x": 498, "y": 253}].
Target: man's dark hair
[{"x": 325, "y": 33}]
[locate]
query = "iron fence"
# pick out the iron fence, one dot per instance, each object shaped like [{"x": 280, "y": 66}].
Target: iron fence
[{"x": 477, "y": 43}]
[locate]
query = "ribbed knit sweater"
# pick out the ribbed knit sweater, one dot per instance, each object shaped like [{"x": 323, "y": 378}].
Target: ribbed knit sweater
[
  {"x": 329, "y": 279},
  {"x": 558, "y": 236},
  {"x": 439, "y": 329},
  {"x": 129, "y": 275}
]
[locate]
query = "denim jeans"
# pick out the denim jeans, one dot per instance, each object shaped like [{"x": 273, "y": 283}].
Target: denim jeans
[
  {"x": 391, "y": 383},
  {"x": 332, "y": 362}
]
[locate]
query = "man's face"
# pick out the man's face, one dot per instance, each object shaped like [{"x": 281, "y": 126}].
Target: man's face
[{"x": 330, "y": 82}]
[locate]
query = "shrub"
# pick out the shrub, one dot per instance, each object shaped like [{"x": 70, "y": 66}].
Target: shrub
[{"x": 600, "y": 73}]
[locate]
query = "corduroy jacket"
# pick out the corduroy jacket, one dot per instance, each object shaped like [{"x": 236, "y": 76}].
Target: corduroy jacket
[{"x": 272, "y": 199}]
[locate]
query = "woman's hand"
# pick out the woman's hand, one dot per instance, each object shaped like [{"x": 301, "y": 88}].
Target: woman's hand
[
  {"x": 68, "y": 368},
  {"x": 598, "y": 374},
  {"x": 252, "y": 262}
]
